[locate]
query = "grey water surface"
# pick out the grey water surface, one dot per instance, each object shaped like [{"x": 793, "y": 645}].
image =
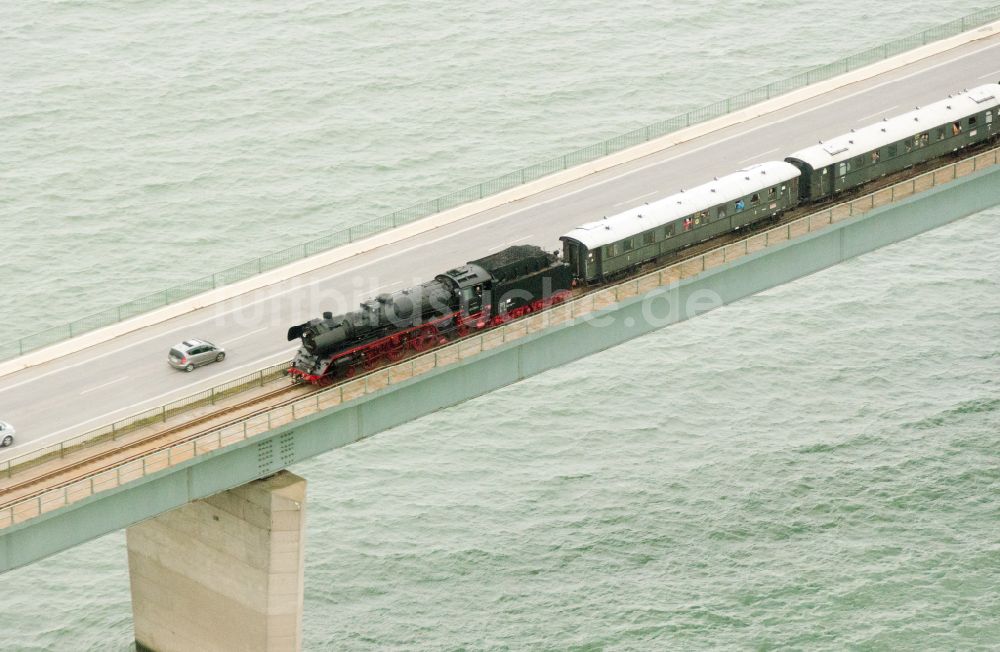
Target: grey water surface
[{"x": 814, "y": 467}]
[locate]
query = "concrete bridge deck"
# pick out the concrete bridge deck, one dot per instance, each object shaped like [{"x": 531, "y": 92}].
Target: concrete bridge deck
[
  {"x": 201, "y": 463},
  {"x": 65, "y": 391}
]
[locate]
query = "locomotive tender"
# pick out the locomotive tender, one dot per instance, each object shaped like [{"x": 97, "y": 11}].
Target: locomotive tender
[
  {"x": 521, "y": 279},
  {"x": 484, "y": 292},
  {"x": 601, "y": 250}
]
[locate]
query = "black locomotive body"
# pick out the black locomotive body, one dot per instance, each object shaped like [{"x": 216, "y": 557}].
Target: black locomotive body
[
  {"x": 479, "y": 294},
  {"x": 523, "y": 278}
]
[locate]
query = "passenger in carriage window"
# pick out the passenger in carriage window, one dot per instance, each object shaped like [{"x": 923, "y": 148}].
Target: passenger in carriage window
[
  {"x": 875, "y": 156},
  {"x": 740, "y": 205},
  {"x": 956, "y": 128}
]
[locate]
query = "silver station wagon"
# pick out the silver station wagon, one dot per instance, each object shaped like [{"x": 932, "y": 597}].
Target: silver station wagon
[
  {"x": 193, "y": 353},
  {"x": 6, "y": 434}
]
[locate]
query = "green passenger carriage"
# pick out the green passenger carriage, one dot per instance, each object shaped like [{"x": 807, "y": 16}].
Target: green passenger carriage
[
  {"x": 895, "y": 144},
  {"x": 616, "y": 244}
]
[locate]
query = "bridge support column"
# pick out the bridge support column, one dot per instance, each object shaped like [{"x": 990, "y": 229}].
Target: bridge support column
[{"x": 222, "y": 573}]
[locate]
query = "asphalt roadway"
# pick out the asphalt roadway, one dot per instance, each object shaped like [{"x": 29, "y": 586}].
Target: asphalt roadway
[{"x": 68, "y": 396}]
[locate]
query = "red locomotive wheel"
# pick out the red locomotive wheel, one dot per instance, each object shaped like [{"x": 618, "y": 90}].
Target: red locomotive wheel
[
  {"x": 429, "y": 337},
  {"x": 462, "y": 330},
  {"x": 395, "y": 354},
  {"x": 350, "y": 372}
]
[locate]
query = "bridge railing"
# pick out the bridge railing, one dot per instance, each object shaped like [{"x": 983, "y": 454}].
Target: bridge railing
[
  {"x": 260, "y": 423},
  {"x": 336, "y": 238},
  {"x": 160, "y": 414}
]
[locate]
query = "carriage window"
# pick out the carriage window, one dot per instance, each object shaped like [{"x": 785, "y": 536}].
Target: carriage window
[
  {"x": 722, "y": 212},
  {"x": 989, "y": 117},
  {"x": 628, "y": 244},
  {"x": 860, "y": 161},
  {"x": 923, "y": 139},
  {"x": 875, "y": 156},
  {"x": 771, "y": 193},
  {"x": 892, "y": 150},
  {"x": 702, "y": 217},
  {"x": 668, "y": 230},
  {"x": 755, "y": 199},
  {"x": 740, "y": 204},
  {"x": 842, "y": 169},
  {"x": 956, "y": 128},
  {"x": 972, "y": 121},
  {"x": 908, "y": 144},
  {"x": 940, "y": 133},
  {"x": 649, "y": 237}
]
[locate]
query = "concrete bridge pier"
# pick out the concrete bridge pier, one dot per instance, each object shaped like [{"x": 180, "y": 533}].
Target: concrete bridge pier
[{"x": 224, "y": 572}]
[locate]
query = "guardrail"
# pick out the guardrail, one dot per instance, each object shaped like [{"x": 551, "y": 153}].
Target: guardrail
[
  {"x": 510, "y": 180},
  {"x": 160, "y": 414},
  {"x": 200, "y": 443}
]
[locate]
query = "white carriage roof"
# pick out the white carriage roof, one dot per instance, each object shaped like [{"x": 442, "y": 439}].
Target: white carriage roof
[
  {"x": 616, "y": 228},
  {"x": 893, "y": 130}
]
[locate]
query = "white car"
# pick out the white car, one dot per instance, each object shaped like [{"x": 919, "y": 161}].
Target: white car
[{"x": 6, "y": 434}]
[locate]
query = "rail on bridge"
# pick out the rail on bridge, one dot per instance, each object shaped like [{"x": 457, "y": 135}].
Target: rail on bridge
[{"x": 195, "y": 464}]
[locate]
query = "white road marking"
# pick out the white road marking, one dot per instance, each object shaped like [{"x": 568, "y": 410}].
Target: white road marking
[
  {"x": 110, "y": 382},
  {"x": 507, "y": 244},
  {"x": 187, "y": 389},
  {"x": 757, "y": 156},
  {"x": 386, "y": 287},
  {"x": 635, "y": 200},
  {"x": 505, "y": 216},
  {"x": 878, "y": 114},
  {"x": 990, "y": 74},
  {"x": 230, "y": 341}
]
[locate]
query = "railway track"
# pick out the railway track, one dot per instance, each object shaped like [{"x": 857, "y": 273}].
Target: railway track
[{"x": 143, "y": 444}]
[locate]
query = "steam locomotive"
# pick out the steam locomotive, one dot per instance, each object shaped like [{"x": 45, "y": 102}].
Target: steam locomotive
[
  {"x": 484, "y": 292},
  {"x": 523, "y": 279}
]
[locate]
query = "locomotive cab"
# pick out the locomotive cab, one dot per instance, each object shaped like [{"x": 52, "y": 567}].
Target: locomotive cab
[{"x": 470, "y": 283}]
